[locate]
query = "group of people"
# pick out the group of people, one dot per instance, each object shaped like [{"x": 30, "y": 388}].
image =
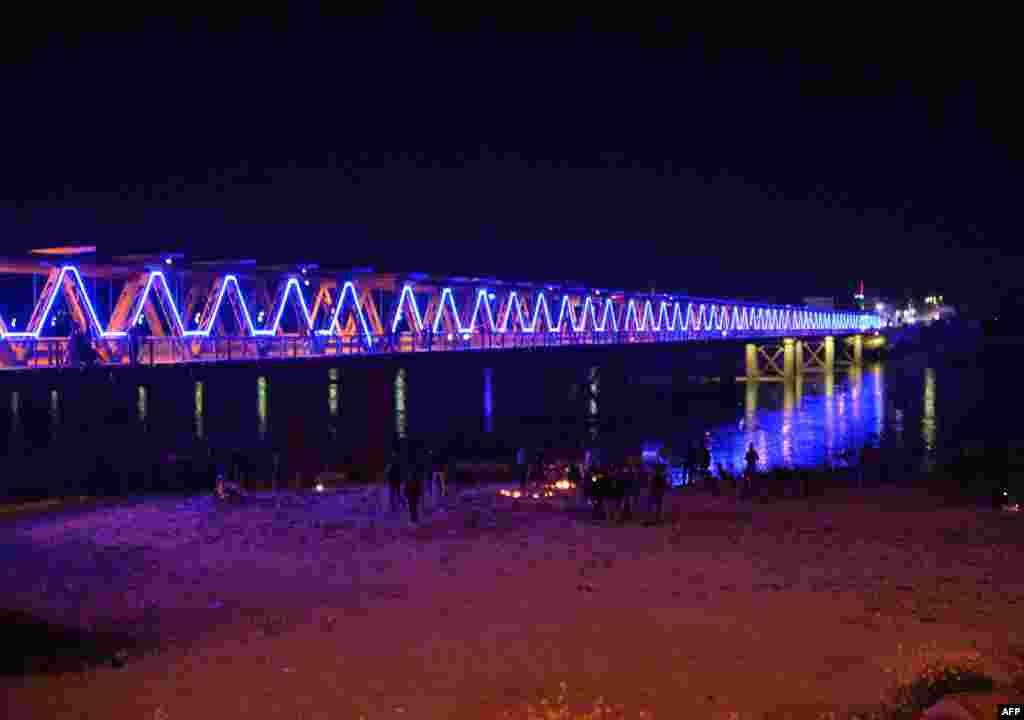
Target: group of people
[
  {"x": 617, "y": 490},
  {"x": 412, "y": 470}
]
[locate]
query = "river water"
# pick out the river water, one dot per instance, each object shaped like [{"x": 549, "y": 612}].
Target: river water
[{"x": 337, "y": 421}]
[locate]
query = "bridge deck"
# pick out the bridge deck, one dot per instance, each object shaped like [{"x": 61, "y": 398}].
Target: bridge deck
[{"x": 375, "y": 314}]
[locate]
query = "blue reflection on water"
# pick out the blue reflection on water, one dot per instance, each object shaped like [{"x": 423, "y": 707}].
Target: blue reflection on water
[{"x": 810, "y": 423}]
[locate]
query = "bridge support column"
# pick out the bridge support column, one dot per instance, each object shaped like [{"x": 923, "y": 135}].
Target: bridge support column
[
  {"x": 753, "y": 372},
  {"x": 789, "y": 359},
  {"x": 798, "y": 359},
  {"x": 858, "y": 350},
  {"x": 830, "y": 354}
]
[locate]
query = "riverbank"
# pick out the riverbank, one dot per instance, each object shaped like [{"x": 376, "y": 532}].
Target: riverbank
[{"x": 329, "y": 606}]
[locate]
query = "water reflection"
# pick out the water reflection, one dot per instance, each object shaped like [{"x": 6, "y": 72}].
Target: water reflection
[
  {"x": 750, "y": 404},
  {"x": 593, "y": 417},
  {"x": 879, "y": 397},
  {"x": 198, "y": 409},
  {"x": 142, "y": 404},
  {"x": 15, "y": 413},
  {"x": 54, "y": 413},
  {"x": 401, "y": 417},
  {"x": 786, "y": 431},
  {"x": 928, "y": 411},
  {"x": 488, "y": 400},
  {"x": 261, "y": 406},
  {"x": 806, "y": 423},
  {"x": 333, "y": 392},
  {"x": 856, "y": 387}
]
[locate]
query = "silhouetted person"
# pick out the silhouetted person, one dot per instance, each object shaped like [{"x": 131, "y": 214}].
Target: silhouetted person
[
  {"x": 659, "y": 486},
  {"x": 752, "y": 458},
  {"x": 522, "y": 469},
  {"x": 691, "y": 463},
  {"x": 705, "y": 466},
  {"x": 394, "y": 475},
  {"x": 414, "y": 483},
  {"x": 438, "y": 468}
]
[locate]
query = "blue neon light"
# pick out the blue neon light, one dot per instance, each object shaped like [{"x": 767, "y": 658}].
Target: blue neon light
[
  {"x": 699, "y": 316},
  {"x": 407, "y": 292}
]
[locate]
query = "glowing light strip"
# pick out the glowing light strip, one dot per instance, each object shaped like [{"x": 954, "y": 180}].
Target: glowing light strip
[
  {"x": 212, "y": 319},
  {"x": 631, "y": 312},
  {"x": 58, "y": 286},
  {"x": 581, "y": 326},
  {"x": 447, "y": 293},
  {"x": 350, "y": 289},
  {"x": 609, "y": 312},
  {"x": 541, "y": 300},
  {"x": 648, "y": 316},
  {"x": 514, "y": 297},
  {"x": 179, "y": 326},
  {"x": 699, "y": 317},
  {"x": 292, "y": 283},
  {"x": 561, "y": 315},
  {"x": 482, "y": 295},
  {"x": 407, "y": 291}
]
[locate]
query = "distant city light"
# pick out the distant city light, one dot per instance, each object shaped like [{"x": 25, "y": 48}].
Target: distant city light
[
  {"x": 880, "y": 307},
  {"x": 491, "y": 296},
  {"x": 307, "y": 283},
  {"x": 169, "y": 261},
  {"x": 14, "y": 322}
]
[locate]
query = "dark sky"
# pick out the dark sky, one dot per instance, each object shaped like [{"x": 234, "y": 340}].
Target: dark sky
[{"x": 620, "y": 152}]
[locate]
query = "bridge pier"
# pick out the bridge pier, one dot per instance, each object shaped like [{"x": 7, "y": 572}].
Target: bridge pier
[
  {"x": 753, "y": 370},
  {"x": 796, "y": 357},
  {"x": 789, "y": 359}
]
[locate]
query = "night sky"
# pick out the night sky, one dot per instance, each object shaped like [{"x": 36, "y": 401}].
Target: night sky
[{"x": 622, "y": 152}]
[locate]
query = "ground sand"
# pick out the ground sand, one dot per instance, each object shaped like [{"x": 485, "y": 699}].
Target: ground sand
[{"x": 334, "y": 608}]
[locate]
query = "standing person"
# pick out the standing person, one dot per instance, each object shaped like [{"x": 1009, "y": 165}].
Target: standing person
[
  {"x": 705, "y": 466},
  {"x": 659, "y": 486},
  {"x": 521, "y": 468},
  {"x": 691, "y": 463},
  {"x": 536, "y": 474},
  {"x": 439, "y": 474},
  {"x": 414, "y": 483},
  {"x": 752, "y": 458},
  {"x": 394, "y": 475},
  {"x": 599, "y": 490},
  {"x": 748, "y": 477},
  {"x": 575, "y": 475},
  {"x": 450, "y": 469}
]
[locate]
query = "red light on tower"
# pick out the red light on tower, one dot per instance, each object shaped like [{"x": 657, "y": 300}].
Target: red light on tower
[{"x": 859, "y": 295}]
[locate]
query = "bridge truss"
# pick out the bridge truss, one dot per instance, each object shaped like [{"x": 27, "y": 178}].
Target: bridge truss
[{"x": 373, "y": 314}]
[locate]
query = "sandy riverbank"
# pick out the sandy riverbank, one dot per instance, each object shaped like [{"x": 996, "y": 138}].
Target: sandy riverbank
[{"x": 331, "y": 607}]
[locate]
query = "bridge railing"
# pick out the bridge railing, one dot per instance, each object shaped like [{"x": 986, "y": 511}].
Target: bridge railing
[{"x": 54, "y": 352}]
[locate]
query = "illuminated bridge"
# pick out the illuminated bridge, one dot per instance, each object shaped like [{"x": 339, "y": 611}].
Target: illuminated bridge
[{"x": 158, "y": 310}]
